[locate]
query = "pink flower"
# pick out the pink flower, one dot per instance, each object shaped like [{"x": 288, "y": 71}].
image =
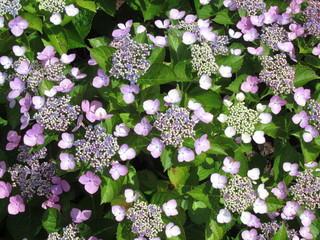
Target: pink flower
[
  {"x": 66, "y": 141},
  {"x": 170, "y": 208},
  {"x": 272, "y": 15},
  {"x": 172, "y": 230},
  {"x": 176, "y": 14},
  {"x": 5, "y": 189},
  {"x": 94, "y": 110},
  {"x": 126, "y": 153},
  {"x": 305, "y": 233},
  {"x": 16, "y": 205},
  {"x": 276, "y": 103},
  {"x": 143, "y": 128},
  {"x": 185, "y": 154},
  {"x": 3, "y": 168},
  {"x": 203, "y": 115},
  {"x": 257, "y": 20},
  {"x": 13, "y": 141},
  {"x": 67, "y": 59},
  {"x": 307, "y": 217},
  {"x": 301, "y": 96},
  {"x": 121, "y": 130},
  {"x": 17, "y": 26},
  {"x": 17, "y": 87},
  {"x": 119, "y": 212},
  {"x": 310, "y": 133},
  {"x": 156, "y": 147},
  {"x": 292, "y": 168},
  {"x": 202, "y": 144},
  {"x": 51, "y": 202},
  {"x": 316, "y": 50},
  {"x": 301, "y": 118},
  {"x": 59, "y": 186},
  {"x": 79, "y": 216},
  {"x": 230, "y": 166},
  {"x": 130, "y": 195},
  {"x": 67, "y": 161},
  {"x": 90, "y": 181},
  {"x": 218, "y": 181},
  {"x": 173, "y": 96},
  {"x": 75, "y": 72},
  {"x": 260, "y": 206},
  {"x": 46, "y": 54},
  {"x": 251, "y": 35},
  {"x": 250, "y": 85},
  {"x": 128, "y": 91},
  {"x": 281, "y": 191},
  {"x": 34, "y": 136},
  {"x": 249, "y": 235},
  {"x": 118, "y": 170},
  {"x": 224, "y": 216},
  {"x": 244, "y": 24},
  {"x": 151, "y": 106},
  {"x": 64, "y": 86},
  {"x": 255, "y": 51},
  {"x": 291, "y": 208},
  {"x": 102, "y": 80}
]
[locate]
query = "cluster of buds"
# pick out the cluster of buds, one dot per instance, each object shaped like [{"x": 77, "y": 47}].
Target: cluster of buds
[
  {"x": 274, "y": 34},
  {"x": 312, "y": 15},
  {"x": 53, "y": 6},
  {"x": 69, "y": 232},
  {"x": 10, "y": 7},
  {"x": 252, "y": 7}
]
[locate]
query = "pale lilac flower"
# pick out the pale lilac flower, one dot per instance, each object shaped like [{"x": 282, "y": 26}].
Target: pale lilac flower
[
  {"x": 234, "y": 34},
  {"x": 190, "y": 18},
  {"x": 292, "y": 168},
  {"x": 262, "y": 192},
  {"x": 90, "y": 181},
  {"x": 249, "y": 235},
  {"x": 126, "y": 153},
  {"x": 311, "y": 164},
  {"x": 128, "y": 24},
  {"x": 67, "y": 59},
  {"x": 79, "y": 216},
  {"x": 245, "y": 217},
  {"x": 185, "y": 154},
  {"x": 255, "y": 51},
  {"x": 23, "y": 68},
  {"x": 121, "y": 130},
  {"x": 51, "y": 202},
  {"x": 231, "y": 4},
  {"x": 3, "y": 168},
  {"x": 189, "y": 38},
  {"x": 71, "y": 10},
  {"x": 162, "y": 24},
  {"x": 64, "y": 86},
  {"x": 291, "y": 208},
  {"x": 128, "y": 91},
  {"x": 301, "y": 118},
  {"x": 281, "y": 191},
  {"x": 130, "y": 195},
  {"x": 230, "y": 132},
  {"x": 46, "y": 54},
  {"x": 5, "y": 189},
  {"x": 75, "y": 72},
  {"x": 230, "y": 166},
  {"x": 316, "y": 50},
  {"x": 24, "y": 119},
  {"x": 172, "y": 230},
  {"x": 204, "y": 116},
  {"x": 120, "y": 33},
  {"x": 94, "y": 238},
  {"x": 151, "y": 106},
  {"x": 208, "y": 34},
  {"x": 202, "y": 144},
  {"x": 225, "y": 71},
  {"x": 294, "y": 7},
  {"x": 250, "y": 220},
  {"x": 305, "y": 233},
  {"x": 3, "y": 77},
  {"x": 156, "y": 147},
  {"x": 6, "y": 62},
  {"x": 250, "y": 85},
  {"x": 101, "y": 114},
  {"x": 118, "y": 170},
  {"x": 257, "y": 20},
  {"x": 90, "y": 109},
  {"x": 102, "y": 80},
  {"x": 17, "y": 87},
  {"x": 265, "y": 118},
  {"x": 34, "y": 136},
  {"x": 143, "y": 128},
  {"x": 141, "y": 29},
  {"x": 193, "y": 105},
  {"x": 258, "y": 137},
  {"x": 296, "y": 31},
  {"x": 276, "y": 103},
  {"x": 284, "y": 19},
  {"x": 254, "y": 173},
  {"x": 224, "y": 216},
  {"x": 205, "y": 2},
  {"x": 16, "y": 205},
  {"x": 119, "y": 212},
  {"x": 173, "y": 96},
  {"x": 18, "y": 50},
  {"x": 286, "y": 47},
  {"x": 17, "y": 26},
  {"x": 92, "y": 61},
  {"x": 38, "y": 102},
  {"x": 205, "y": 82},
  {"x": 204, "y": 23},
  {"x": 222, "y": 118},
  {"x": 59, "y": 186},
  {"x": 218, "y": 181},
  {"x": 1, "y": 21},
  {"x": 272, "y": 15},
  {"x": 307, "y": 217},
  {"x": 251, "y": 35},
  {"x": 176, "y": 14},
  {"x": 310, "y": 133},
  {"x": 301, "y": 96},
  {"x": 13, "y": 142},
  {"x": 50, "y": 93},
  {"x": 236, "y": 51},
  {"x": 56, "y": 18},
  {"x": 67, "y": 161},
  {"x": 170, "y": 208},
  {"x": 260, "y": 206},
  {"x": 244, "y": 25},
  {"x": 160, "y": 41}
]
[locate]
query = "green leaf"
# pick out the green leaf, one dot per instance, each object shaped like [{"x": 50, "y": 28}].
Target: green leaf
[
  {"x": 124, "y": 231},
  {"x": 82, "y": 22},
  {"x": 208, "y": 99},
  {"x": 110, "y": 188},
  {"x": 165, "y": 159},
  {"x": 34, "y": 22},
  {"x": 303, "y": 75},
  {"x": 215, "y": 231},
  {"x": 235, "y": 62},
  {"x": 52, "y": 220},
  {"x": 103, "y": 56},
  {"x": 90, "y": 5},
  {"x": 178, "y": 51},
  {"x": 108, "y": 6},
  {"x": 310, "y": 150},
  {"x": 281, "y": 234},
  {"x": 58, "y": 38},
  {"x": 148, "y": 181},
  {"x": 157, "y": 55},
  {"x": 222, "y": 17},
  {"x": 235, "y": 84},
  {"x": 178, "y": 175},
  {"x": 3, "y": 121},
  {"x": 273, "y": 204},
  {"x": 99, "y": 42},
  {"x": 201, "y": 193},
  {"x": 198, "y": 212},
  {"x": 149, "y": 8}
]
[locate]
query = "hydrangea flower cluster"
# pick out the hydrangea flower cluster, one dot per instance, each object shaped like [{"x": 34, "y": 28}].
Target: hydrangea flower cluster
[
  {"x": 10, "y": 7},
  {"x": 69, "y": 232}
]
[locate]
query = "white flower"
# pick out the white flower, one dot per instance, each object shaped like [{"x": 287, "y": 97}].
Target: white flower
[
  {"x": 172, "y": 230},
  {"x": 258, "y": 137},
  {"x": 71, "y": 10},
  {"x": 230, "y": 132},
  {"x": 56, "y": 18},
  {"x": 265, "y": 118},
  {"x": 240, "y": 96},
  {"x": 245, "y": 137},
  {"x": 222, "y": 118},
  {"x": 261, "y": 107},
  {"x": 254, "y": 173},
  {"x": 205, "y": 82},
  {"x": 173, "y": 96},
  {"x": 224, "y": 216},
  {"x": 225, "y": 71},
  {"x": 130, "y": 195}
]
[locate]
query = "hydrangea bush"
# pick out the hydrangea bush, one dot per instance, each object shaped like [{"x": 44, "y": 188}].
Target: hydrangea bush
[{"x": 150, "y": 120}]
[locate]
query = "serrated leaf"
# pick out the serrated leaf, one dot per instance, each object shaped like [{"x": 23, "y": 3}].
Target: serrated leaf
[
  {"x": 273, "y": 204},
  {"x": 58, "y": 38},
  {"x": 103, "y": 56},
  {"x": 90, "y": 5},
  {"x": 165, "y": 159},
  {"x": 34, "y": 22},
  {"x": 303, "y": 75},
  {"x": 82, "y": 22},
  {"x": 52, "y": 220},
  {"x": 108, "y": 6},
  {"x": 222, "y": 17},
  {"x": 215, "y": 231},
  {"x": 178, "y": 175},
  {"x": 110, "y": 188},
  {"x": 201, "y": 193},
  {"x": 98, "y": 42},
  {"x": 281, "y": 234}
]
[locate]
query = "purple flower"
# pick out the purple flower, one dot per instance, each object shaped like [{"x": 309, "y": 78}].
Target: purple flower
[
  {"x": 250, "y": 85},
  {"x": 75, "y": 72},
  {"x": 59, "y": 186},
  {"x": 310, "y": 133},
  {"x": 3, "y": 168},
  {"x": 102, "y": 80},
  {"x": 67, "y": 161},
  {"x": 249, "y": 235},
  {"x": 5, "y": 189},
  {"x": 305, "y": 233},
  {"x": 3, "y": 77},
  {"x": 176, "y": 14},
  {"x": 46, "y": 54},
  {"x": 66, "y": 141},
  {"x": 251, "y": 35},
  {"x": 90, "y": 181},
  {"x": 25, "y": 103},
  {"x": 17, "y": 25},
  {"x": 17, "y": 86},
  {"x": 38, "y": 102},
  {"x": 130, "y": 195},
  {"x": 301, "y": 95},
  {"x": 224, "y": 216},
  {"x": 185, "y": 154},
  {"x": 162, "y": 24},
  {"x": 121, "y": 130},
  {"x": 202, "y": 144},
  {"x": 51, "y": 202},
  {"x": 156, "y": 147},
  {"x": 118, "y": 170},
  {"x": 6, "y": 62},
  {"x": 92, "y": 61},
  {"x": 203, "y": 115},
  {"x": 159, "y": 41},
  {"x": 255, "y": 51},
  {"x": 67, "y": 59},
  {"x": 291, "y": 209},
  {"x": 172, "y": 230},
  {"x": 218, "y": 181},
  {"x": 126, "y": 153},
  {"x": 119, "y": 212},
  {"x": 23, "y": 68},
  {"x": 276, "y": 103},
  {"x": 292, "y": 168},
  {"x": 230, "y": 166},
  {"x": 260, "y": 206},
  {"x": 25, "y": 118},
  {"x": 18, "y": 50},
  {"x": 79, "y": 216},
  {"x": 281, "y": 191},
  {"x": 151, "y": 106},
  {"x": 244, "y": 24},
  {"x": 272, "y": 15},
  {"x": 170, "y": 208},
  {"x": 71, "y": 10},
  {"x": 189, "y": 38},
  {"x": 13, "y": 142},
  {"x": 16, "y": 205},
  {"x": 301, "y": 118},
  {"x": 90, "y": 109},
  {"x": 307, "y": 217},
  {"x": 143, "y": 128},
  {"x": 64, "y": 86},
  {"x": 173, "y": 96},
  {"x": 128, "y": 91},
  {"x": 34, "y": 136},
  {"x": 225, "y": 71},
  {"x": 316, "y": 50}
]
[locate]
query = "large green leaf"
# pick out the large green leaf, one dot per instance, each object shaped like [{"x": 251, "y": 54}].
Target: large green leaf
[
  {"x": 108, "y": 6},
  {"x": 52, "y": 220},
  {"x": 58, "y": 38},
  {"x": 82, "y": 22},
  {"x": 281, "y": 234},
  {"x": 178, "y": 175},
  {"x": 34, "y": 22},
  {"x": 201, "y": 193},
  {"x": 103, "y": 56},
  {"x": 166, "y": 159},
  {"x": 303, "y": 75},
  {"x": 90, "y": 5},
  {"x": 110, "y": 188}
]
